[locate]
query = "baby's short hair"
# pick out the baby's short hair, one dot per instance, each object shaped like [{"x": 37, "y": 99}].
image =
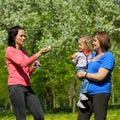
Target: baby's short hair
[{"x": 87, "y": 40}]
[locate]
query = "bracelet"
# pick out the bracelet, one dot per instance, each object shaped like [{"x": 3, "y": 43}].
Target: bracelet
[{"x": 86, "y": 75}]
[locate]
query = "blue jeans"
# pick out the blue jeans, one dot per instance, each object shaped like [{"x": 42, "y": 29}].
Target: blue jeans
[
  {"x": 84, "y": 86},
  {"x": 22, "y": 97},
  {"x": 84, "y": 82}
]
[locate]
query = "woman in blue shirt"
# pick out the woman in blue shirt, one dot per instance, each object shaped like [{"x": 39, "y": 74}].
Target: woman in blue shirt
[{"x": 99, "y": 76}]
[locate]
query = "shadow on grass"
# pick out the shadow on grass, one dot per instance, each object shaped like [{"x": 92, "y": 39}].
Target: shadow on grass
[
  {"x": 59, "y": 110},
  {"x": 6, "y": 113},
  {"x": 9, "y": 113},
  {"x": 114, "y": 107}
]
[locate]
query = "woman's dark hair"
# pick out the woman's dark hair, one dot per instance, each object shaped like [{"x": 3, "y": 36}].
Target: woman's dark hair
[
  {"x": 12, "y": 32},
  {"x": 104, "y": 39}
]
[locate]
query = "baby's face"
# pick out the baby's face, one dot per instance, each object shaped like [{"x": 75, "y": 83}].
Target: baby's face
[{"x": 81, "y": 46}]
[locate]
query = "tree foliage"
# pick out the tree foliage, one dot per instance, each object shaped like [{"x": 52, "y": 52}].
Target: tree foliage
[{"x": 60, "y": 22}]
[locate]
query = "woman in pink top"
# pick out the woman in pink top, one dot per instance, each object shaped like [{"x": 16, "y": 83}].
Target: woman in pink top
[{"x": 18, "y": 62}]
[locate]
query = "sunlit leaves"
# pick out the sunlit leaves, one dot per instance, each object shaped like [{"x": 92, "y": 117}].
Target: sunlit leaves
[{"x": 59, "y": 22}]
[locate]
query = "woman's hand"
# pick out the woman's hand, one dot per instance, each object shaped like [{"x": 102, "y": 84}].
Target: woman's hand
[
  {"x": 97, "y": 77},
  {"x": 80, "y": 74},
  {"x": 35, "y": 64},
  {"x": 45, "y": 50}
]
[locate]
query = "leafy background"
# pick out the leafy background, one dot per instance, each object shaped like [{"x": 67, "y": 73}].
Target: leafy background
[{"x": 60, "y": 22}]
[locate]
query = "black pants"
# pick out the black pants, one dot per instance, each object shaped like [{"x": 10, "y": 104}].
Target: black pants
[
  {"x": 22, "y": 97},
  {"x": 96, "y": 104}
]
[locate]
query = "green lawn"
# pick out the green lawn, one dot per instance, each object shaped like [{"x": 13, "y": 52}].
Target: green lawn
[{"x": 113, "y": 114}]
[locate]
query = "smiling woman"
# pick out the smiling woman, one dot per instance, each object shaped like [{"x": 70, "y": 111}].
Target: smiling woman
[
  {"x": 17, "y": 60},
  {"x": 99, "y": 77}
]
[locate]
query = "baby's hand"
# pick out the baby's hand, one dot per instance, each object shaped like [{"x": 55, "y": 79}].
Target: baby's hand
[
  {"x": 74, "y": 56},
  {"x": 74, "y": 59}
]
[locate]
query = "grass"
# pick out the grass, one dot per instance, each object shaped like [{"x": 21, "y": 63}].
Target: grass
[{"x": 113, "y": 114}]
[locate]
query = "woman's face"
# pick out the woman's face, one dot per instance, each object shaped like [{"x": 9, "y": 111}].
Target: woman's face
[
  {"x": 96, "y": 44},
  {"x": 20, "y": 38}
]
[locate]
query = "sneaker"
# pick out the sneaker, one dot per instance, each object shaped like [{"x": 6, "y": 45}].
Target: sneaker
[
  {"x": 79, "y": 104},
  {"x": 83, "y": 97}
]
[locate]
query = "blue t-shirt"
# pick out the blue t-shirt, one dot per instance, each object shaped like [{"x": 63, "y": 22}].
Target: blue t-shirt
[{"x": 105, "y": 61}]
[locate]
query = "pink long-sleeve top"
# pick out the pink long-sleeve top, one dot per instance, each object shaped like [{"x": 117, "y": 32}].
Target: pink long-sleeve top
[{"x": 18, "y": 66}]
